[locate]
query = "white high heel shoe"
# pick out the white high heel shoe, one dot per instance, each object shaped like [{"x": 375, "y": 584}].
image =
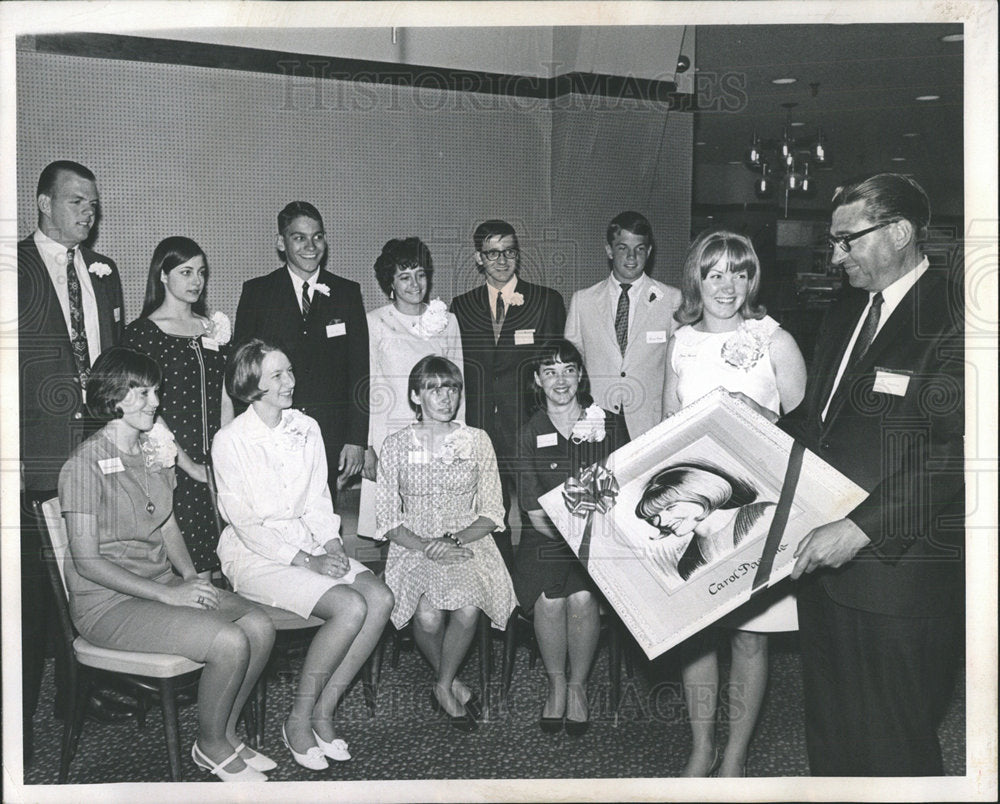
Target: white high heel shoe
[
  {"x": 312, "y": 758},
  {"x": 248, "y": 774},
  {"x": 336, "y": 749},
  {"x": 258, "y": 760}
]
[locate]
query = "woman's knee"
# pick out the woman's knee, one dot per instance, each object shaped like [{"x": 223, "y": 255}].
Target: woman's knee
[
  {"x": 380, "y": 599},
  {"x": 467, "y": 615},
  {"x": 749, "y": 643},
  {"x": 428, "y": 618},
  {"x": 581, "y": 603},
  {"x": 230, "y": 644},
  {"x": 258, "y": 628}
]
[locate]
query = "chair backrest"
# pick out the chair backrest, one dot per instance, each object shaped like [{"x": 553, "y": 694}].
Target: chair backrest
[
  {"x": 55, "y": 526},
  {"x": 55, "y": 545}
]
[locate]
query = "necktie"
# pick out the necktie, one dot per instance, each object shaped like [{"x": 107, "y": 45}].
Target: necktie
[
  {"x": 77, "y": 326},
  {"x": 867, "y": 333},
  {"x": 621, "y": 317},
  {"x": 305, "y": 301},
  {"x": 498, "y": 322}
]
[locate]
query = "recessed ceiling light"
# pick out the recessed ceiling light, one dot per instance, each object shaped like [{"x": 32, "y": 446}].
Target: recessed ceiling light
[
  {"x": 784, "y": 80},
  {"x": 797, "y": 124},
  {"x": 911, "y": 134},
  {"x": 734, "y": 162},
  {"x": 700, "y": 142},
  {"x": 898, "y": 159},
  {"x": 953, "y": 38},
  {"x": 928, "y": 97}
]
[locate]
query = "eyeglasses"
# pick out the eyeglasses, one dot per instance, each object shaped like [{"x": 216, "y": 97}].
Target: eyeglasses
[
  {"x": 494, "y": 253},
  {"x": 844, "y": 241}
]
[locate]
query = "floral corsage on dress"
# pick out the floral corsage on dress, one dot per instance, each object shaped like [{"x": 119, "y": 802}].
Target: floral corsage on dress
[{"x": 747, "y": 345}]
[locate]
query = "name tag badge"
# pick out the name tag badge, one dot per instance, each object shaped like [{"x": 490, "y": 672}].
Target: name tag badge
[
  {"x": 524, "y": 337},
  {"x": 547, "y": 440},
  {"x": 891, "y": 382},
  {"x": 336, "y": 330},
  {"x": 418, "y": 456},
  {"x": 656, "y": 336},
  {"x": 210, "y": 343},
  {"x": 117, "y": 314},
  {"x": 111, "y": 465}
]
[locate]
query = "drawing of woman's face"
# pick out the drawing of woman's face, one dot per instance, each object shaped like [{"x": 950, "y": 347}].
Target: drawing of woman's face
[{"x": 679, "y": 518}]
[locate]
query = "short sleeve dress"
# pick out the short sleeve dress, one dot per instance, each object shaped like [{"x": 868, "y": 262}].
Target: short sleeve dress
[
  {"x": 396, "y": 343},
  {"x": 131, "y": 503},
  {"x": 191, "y": 405},
  {"x": 432, "y": 495},
  {"x": 737, "y": 361},
  {"x": 545, "y": 460}
]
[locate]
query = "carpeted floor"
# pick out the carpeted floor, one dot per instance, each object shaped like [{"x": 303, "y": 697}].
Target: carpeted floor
[{"x": 405, "y": 740}]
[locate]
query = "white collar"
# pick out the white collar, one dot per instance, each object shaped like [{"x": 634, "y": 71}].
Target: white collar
[
  {"x": 298, "y": 281},
  {"x": 893, "y": 295},
  {"x": 48, "y": 247},
  {"x": 614, "y": 286},
  {"x": 507, "y": 291}
]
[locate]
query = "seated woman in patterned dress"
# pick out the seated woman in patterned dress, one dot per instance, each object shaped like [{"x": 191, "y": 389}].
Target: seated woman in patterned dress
[
  {"x": 566, "y": 434},
  {"x": 438, "y": 502},
  {"x": 282, "y": 546},
  {"x": 116, "y": 494}
]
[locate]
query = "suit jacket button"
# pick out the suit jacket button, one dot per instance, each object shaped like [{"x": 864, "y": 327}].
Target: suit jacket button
[
  {"x": 623, "y": 373},
  {"x": 78, "y": 415},
  {"x": 825, "y": 444}
]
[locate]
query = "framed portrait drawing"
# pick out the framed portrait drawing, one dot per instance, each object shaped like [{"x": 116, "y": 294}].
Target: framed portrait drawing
[{"x": 686, "y": 523}]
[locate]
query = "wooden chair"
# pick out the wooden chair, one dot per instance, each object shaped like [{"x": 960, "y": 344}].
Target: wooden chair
[{"x": 159, "y": 673}]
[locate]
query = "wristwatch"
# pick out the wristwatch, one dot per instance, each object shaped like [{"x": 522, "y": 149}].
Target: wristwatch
[{"x": 453, "y": 537}]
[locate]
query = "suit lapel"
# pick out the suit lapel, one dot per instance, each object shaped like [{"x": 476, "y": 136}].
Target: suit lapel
[
  {"x": 607, "y": 309},
  {"x": 103, "y": 299}
]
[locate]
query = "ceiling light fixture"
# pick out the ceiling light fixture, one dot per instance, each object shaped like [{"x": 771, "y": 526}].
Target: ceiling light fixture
[
  {"x": 787, "y": 162},
  {"x": 784, "y": 80},
  {"x": 911, "y": 134},
  {"x": 953, "y": 38},
  {"x": 898, "y": 159},
  {"x": 928, "y": 97}
]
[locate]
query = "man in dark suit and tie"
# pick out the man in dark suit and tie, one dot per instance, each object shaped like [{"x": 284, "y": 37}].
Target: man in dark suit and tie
[
  {"x": 318, "y": 320},
  {"x": 502, "y": 323},
  {"x": 69, "y": 304},
  {"x": 882, "y": 590}
]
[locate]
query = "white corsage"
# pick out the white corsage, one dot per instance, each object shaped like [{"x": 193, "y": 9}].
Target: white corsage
[
  {"x": 655, "y": 294},
  {"x": 458, "y": 446},
  {"x": 292, "y": 431},
  {"x": 746, "y": 346},
  {"x": 218, "y": 328},
  {"x": 159, "y": 449},
  {"x": 515, "y": 299},
  {"x": 590, "y": 427},
  {"x": 99, "y": 269},
  {"x": 434, "y": 320},
  {"x": 319, "y": 287}
]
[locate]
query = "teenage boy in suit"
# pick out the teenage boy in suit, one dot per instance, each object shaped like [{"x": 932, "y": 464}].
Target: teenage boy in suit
[
  {"x": 70, "y": 308},
  {"x": 318, "y": 320},
  {"x": 622, "y": 326},
  {"x": 502, "y": 322}
]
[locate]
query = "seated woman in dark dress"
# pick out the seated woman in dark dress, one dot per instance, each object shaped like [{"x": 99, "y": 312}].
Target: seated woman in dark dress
[
  {"x": 566, "y": 435},
  {"x": 132, "y": 585}
]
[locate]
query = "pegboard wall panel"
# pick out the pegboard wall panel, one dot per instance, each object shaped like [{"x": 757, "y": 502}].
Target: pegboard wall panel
[{"x": 215, "y": 154}]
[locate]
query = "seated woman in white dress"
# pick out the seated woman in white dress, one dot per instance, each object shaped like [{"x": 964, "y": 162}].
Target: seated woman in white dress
[
  {"x": 438, "y": 502},
  {"x": 282, "y": 546},
  {"x": 727, "y": 340}
]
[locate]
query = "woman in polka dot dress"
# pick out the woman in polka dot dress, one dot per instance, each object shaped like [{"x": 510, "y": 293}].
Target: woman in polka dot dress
[{"x": 191, "y": 347}]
